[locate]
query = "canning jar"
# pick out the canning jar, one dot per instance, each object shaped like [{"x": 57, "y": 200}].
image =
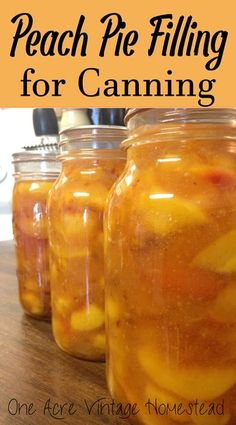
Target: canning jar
[
  {"x": 91, "y": 162},
  {"x": 35, "y": 173},
  {"x": 170, "y": 256}
]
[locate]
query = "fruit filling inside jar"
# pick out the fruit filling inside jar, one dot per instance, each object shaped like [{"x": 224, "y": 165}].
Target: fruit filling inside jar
[
  {"x": 32, "y": 249},
  {"x": 76, "y": 243},
  {"x": 171, "y": 278}
]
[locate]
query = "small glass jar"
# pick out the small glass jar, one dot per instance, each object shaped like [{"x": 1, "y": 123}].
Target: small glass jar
[
  {"x": 35, "y": 173},
  {"x": 91, "y": 162},
  {"x": 170, "y": 256}
]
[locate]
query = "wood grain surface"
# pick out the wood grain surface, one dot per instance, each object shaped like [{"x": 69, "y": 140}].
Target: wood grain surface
[{"x": 33, "y": 369}]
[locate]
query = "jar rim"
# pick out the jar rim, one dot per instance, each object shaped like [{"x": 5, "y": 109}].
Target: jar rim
[
  {"x": 130, "y": 112},
  {"x": 184, "y": 114},
  {"x": 95, "y": 137},
  {"x": 23, "y": 156},
  {"x": 83, "y": 132},
  {"x": 174, "y": 124},
  {"x": 93, "y": 127}
]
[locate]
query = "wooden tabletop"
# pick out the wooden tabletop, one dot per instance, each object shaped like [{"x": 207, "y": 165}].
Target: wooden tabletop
[{"x": 35, "y": 375}]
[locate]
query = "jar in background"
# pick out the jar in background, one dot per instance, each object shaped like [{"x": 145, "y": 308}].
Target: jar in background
[
  {"x": 170, "y": 259},
  {"x": 91, "y": 162},
  {"x": 35, "y": 173}
]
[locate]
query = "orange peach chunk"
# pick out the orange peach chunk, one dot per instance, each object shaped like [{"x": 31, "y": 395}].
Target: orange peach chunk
[
  {"x": 32, "y": 303},
  {"x": 220, "y": 255},
  {"x": 189, "y": 383},
  {"x": 62, "y": 305},
  {"x": 112, "y": 309},
  {"x": 224, "y": 307},
  {"x": 167, "y": 399},
  {"x": 87, "y": 319},
  {"x": 163, "y": 213}
]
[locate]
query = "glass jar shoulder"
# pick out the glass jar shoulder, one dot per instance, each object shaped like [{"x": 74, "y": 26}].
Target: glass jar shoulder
[
  {"x": 186, "y": 170},
  {"x": 85, "y": 183},
  {"x": 164, "y": 191}
]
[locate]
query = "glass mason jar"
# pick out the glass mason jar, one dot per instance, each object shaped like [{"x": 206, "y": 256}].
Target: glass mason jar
[
  {"x": 170, "y": 256},
  {"x": 35, "y": 173},
  {"x": 91, "y": 162}
]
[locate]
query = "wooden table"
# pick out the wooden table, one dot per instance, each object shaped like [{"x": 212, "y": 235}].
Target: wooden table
[{"x": 33, "y": 369}]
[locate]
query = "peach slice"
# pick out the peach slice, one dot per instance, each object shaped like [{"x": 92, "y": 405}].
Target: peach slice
[
  {"x": 112, "y": 309},
  {"x": 167, "y": 399},
  {"x": 32, "y": 303},
  {"x": 29, "y": 208},
  {"x": 163, "y": 213},
  {"x": 87, "y": 319},
  {"x": 220, "y": 255},
  {"x": 74, "y": 233},
  {"x": 224, "y": 307},
  {"x": 99, "y": 342},
  {"x": 62, "y": 305},
  {"x": 188, "y": 383}
]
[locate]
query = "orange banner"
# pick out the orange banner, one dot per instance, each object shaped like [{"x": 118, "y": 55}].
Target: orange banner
[{"x": 118, "y": 53}]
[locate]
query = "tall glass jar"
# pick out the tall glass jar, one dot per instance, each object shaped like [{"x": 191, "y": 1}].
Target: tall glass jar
[
  {"x": 91, "y": 162},
  {"x": 35, "y": 173},
  {"x": 170, "y": 256}
]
